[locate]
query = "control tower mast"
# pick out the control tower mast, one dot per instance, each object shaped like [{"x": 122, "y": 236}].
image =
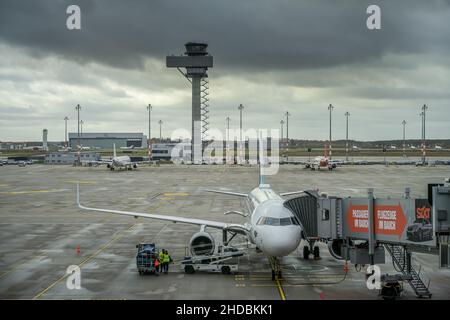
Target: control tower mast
[{"x": 196, "y": 61}]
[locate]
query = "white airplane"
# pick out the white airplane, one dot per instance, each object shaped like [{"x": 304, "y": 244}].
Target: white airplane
[
  {"x": 271, "y": 227},
  {"x": 127, "y": 148},
  {"x": 322, "y": 162},
  {"x": 437, "y": 147},
  {"x": 412, "y": 147},
  {"x": 120, "y": 162}
]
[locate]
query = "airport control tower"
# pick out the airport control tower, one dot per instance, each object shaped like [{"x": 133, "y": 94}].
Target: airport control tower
[
  {"x": 196, "y": 60},
  {"x": 44, "y": 139}
]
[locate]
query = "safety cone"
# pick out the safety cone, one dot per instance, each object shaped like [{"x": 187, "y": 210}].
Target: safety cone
[
  {"x": 346, "y": 266},
  {"x": 78, "y": 250}
]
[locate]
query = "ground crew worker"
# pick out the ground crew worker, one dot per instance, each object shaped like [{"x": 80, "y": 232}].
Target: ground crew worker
[
  {"x": 157, "y": 265},
  {"x": 161, "y": 260},
  {"x": 165, "y": 261}
]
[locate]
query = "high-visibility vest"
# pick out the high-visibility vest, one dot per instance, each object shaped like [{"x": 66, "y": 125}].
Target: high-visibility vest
[{"x": 166, "y": 258}]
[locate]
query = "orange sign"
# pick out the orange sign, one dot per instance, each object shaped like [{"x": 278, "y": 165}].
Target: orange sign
[
  {"x": 423, "y": 213},
  {"x": 388, "y": 219}
]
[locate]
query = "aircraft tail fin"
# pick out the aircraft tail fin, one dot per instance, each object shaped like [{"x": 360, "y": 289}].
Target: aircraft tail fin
[
  {"x": 262, "y": 179},
  {"x": 261, "y": 161},
  {"x": 114, "y": 150}
]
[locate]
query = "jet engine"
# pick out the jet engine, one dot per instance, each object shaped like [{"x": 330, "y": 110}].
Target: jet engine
[
  {"x": 201, "y": 243},
  {"x": 135, "y": 165},
  {"x": 108, "y": 166},
  {"x": 335, "y": 248}
]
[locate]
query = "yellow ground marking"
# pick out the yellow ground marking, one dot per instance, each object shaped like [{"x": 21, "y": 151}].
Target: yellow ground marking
[
  {"x": 18, "y": 264},
  {"x": 81, "y": 181},
  {"x": 14, "y": 193},
  {"x": 175, "y": 194},
  {"x": 276, "y": 284},
  {"x": 280, "y": 290},
  {"x": 295, "y": 277},
  {"x": 3, "y": 185},
  {"x": 89, "y": 258}
]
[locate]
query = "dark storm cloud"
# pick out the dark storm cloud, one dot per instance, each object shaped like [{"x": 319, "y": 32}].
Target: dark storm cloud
[{"x": 258, "y": 34}]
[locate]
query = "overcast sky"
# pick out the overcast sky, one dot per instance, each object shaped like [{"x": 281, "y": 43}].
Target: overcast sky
[{"x": 271, "y": 56}]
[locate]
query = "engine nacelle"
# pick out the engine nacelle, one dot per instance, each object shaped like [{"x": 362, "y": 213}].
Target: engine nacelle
[
  {"x": 108, "y": 166},
  {"x": 201, "y": 243},
  {"x": 335, "y": 248},
  {"x": 135, "y": 165}
]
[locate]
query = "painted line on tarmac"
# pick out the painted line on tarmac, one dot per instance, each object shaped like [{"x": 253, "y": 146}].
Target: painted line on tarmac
[
  {"x": 175, "y": 194},
  {"x": 20, "y": 263},
  {"x": 280, "y": 290},
  {"x": 15, "y": 193},
  {"x": 89, "y": 258},
  {"x": 138, "y": 219},
  {"x": 277, "y": 284},
  {"x": 81, "y": 181}
]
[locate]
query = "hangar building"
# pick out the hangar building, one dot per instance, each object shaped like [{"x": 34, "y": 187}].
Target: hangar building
[{"x": 106, "y": 140}]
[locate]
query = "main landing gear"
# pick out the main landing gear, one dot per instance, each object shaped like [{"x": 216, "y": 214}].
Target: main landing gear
[{"x": 307, "y": 250}]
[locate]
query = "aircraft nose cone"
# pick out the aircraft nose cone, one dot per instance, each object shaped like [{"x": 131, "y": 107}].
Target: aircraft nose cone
[{"x": 281, "y": 241}]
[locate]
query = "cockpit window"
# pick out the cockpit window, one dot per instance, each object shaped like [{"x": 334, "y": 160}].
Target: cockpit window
[
  {"x": 272, "y": 221},
  {"x": 269, "y": 221}
]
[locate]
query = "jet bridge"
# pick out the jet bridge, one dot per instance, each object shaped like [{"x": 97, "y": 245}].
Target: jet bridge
[{"x": 361, "y": 229}]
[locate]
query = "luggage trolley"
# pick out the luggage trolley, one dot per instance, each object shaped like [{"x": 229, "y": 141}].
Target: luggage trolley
[{"x": 146, "y": 257}]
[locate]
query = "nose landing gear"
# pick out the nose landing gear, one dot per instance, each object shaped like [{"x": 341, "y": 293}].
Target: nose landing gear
[{"x": 276, "y": 268}]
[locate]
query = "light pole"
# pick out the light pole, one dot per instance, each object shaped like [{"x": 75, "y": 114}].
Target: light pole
[
  {"x": 65, "y": 130},
  {"x": 347, "y": 114},
  {"x": 78, "y": 108},
  {"x": 228, "y": 129},
  {"x": 149, "y": 108},
  {"x": 281, "y": 139},
  {"x": 330, "y": 107},
  {"x": 287, "y": 114},
  {"x": 404, "y": 138},
  {"x": 241, "y": 107},
  {"x": 160, "y": 125},
  {"x": 228, "y": 139},
  {"x": 81, "y": 128},
  {"x": 424, "y": 147}
]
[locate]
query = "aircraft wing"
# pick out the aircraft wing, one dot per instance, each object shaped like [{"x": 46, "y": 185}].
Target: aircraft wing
[
  {"x": 291, "y": 193},
  {"x": 141, "y": 162},
  {"x": 201, "y": 222},
  {"x": 104, "y": 161},
  {"x": 237, "y": 194}
]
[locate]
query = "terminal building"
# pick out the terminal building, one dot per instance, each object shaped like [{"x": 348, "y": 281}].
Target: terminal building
[
  {"x": 162, "y": 151},
  {"x": 106, "y": 140},
  {"x": 70, "y": 157}
]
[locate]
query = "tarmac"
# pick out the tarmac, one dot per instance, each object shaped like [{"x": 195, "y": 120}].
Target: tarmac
[{"x": 41, "y": 228}]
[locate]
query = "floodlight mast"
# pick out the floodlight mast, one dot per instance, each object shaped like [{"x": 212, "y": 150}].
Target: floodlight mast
[{"x": 196, "y": 61}]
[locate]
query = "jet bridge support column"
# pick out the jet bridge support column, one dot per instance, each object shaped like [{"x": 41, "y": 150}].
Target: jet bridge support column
[{"x": 224, "y": 237}]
